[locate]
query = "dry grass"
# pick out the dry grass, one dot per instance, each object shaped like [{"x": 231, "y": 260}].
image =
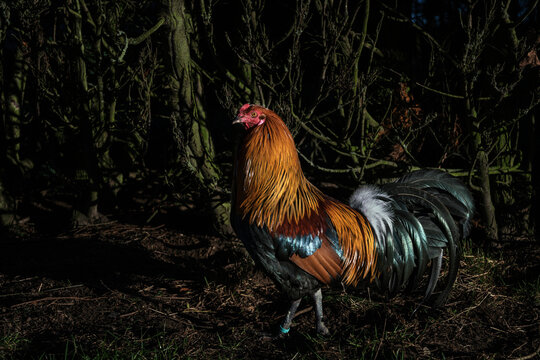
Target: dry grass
[{"x": 123, "y": 291}]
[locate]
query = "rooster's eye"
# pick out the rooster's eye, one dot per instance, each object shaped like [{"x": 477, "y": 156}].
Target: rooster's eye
[{"x": 254, "y": 114}]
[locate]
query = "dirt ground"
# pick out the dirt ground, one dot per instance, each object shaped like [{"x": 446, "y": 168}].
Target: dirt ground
[{"x": 117, "y": 291}]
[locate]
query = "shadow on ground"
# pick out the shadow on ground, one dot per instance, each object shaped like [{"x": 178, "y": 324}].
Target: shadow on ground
[{"x": 119, "y": 290}]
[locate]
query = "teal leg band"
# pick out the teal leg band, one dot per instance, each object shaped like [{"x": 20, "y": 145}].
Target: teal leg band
[{"x": 283, "y": 331}]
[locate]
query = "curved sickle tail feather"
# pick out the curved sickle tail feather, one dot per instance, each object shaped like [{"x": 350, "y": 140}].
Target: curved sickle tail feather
[{"x": 414, "y": 219}]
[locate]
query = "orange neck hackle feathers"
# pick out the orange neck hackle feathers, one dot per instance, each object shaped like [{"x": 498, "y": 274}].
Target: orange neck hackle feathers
[{"x": 272, "y": 192}]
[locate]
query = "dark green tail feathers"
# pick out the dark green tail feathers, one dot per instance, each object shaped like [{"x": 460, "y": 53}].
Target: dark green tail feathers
[{"x": 416, "y": 219}]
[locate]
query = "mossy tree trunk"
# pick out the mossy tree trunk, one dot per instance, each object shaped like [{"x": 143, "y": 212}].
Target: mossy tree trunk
[
  {"x": 7, "y": 214},
  {"x": 87, "y": 174},
  {"x": 13, "y": 119},
  {"x": 188, "y": 113},
  {"x": 12, "y": 83},
  {"x": 6, "y": 205},
  {"x": 507, "y": 140},
  {"x": 487, "y": 207},
  {"x": 534, "y": 166},
  {"x": 14, "y": 103},
  {"x": 476, "y": 31}
]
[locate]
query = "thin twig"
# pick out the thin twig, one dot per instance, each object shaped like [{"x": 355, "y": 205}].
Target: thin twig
[
  {"x": 303, "y": 311},
  {"x": 53, "y": 298},
  {"x": 530, "y": 356},
  {"x": 41, "y": 292},
  {"x": 382, "y": 339}
]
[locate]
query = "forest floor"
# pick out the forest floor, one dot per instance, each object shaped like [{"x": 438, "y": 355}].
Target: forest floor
[{"x": 123, "y": 291}]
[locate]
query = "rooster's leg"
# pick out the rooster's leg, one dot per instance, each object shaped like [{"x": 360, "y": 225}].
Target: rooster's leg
[
  {"x": 286, "y": 324},
  {"x": 321, "y": 328}
]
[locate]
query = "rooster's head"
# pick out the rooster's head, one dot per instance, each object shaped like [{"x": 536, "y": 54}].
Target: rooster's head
[{"x": 251, "y": 116}]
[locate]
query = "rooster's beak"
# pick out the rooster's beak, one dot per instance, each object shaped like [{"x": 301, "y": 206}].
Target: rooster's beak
[{"x": 238, "y": 120}]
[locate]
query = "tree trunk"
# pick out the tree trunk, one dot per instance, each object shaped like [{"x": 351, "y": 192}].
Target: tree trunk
[
  {"x": 506, "y": 141},
  {"x": 535, "y": 170},
  {"x": 189, "y": 115},
  {"x": 86, "y": 209},
  {"x": 14, "y": 103},
  {"x": 7, "y": 215},
  {"x": 14, "y": 113},
  {"x": 488, "y": 208},
  {"x": 482, "y": 161},
  {"x": 6, "y": 205}
]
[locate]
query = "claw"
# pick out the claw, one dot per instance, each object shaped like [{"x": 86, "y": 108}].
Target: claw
[{"x": 322, "y": 329}]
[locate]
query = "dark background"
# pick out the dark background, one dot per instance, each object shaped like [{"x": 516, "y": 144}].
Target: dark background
[
  {"x": 117, "y": 107},
  {"x": 119, "y": 112}
]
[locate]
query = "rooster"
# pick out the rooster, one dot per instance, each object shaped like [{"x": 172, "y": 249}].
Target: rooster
[{"x": 304, "y": 239}]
